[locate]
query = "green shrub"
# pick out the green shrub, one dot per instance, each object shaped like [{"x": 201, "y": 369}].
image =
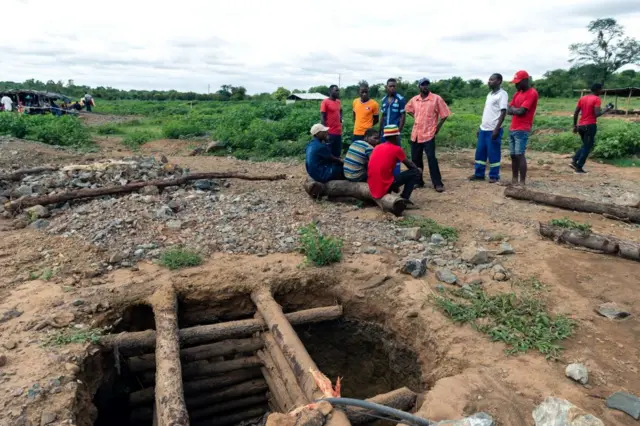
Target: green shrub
[
  {"x": 136, "y": 138},
  {"x": 565, "y": 222},
  {"x": 319, "y": 249},
  {"x": 13, "y": 124},
  {"x": 108, "y": 129},
  {"x": 429, "y": 227},
  {"x": 180, "y": 258},
  {"x": 182, "y": 129},
  {"x": 50, "y": 129}
]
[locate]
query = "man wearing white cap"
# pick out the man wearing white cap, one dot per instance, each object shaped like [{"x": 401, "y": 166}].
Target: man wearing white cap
[{"x": 322, "y": 166}]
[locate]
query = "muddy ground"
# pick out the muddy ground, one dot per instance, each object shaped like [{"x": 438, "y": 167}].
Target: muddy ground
[{"x": 459, "y": 370}]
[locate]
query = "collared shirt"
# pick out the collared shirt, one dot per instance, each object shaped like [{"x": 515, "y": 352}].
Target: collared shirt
[
  {"x": 392, "y": 109},
  {"x": 318, "y": 160},
  {"x": 426, "y": 113}
]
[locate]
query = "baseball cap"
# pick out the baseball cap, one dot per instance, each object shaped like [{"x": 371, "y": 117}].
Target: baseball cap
[
  {"x": 423, "y": 80},
  {"x": 519, "y": 76},
  {"x": 317, "y": 128},
  {"x": 391, "y": 130}
]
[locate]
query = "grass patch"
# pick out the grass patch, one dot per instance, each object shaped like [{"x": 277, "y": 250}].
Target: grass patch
[
  {"x": 624, "y": 162},
  {"x": 108, "y": 129},
  {"x": 429, "y": 227},
  {"x": 565, "y": 222},
  {"x": 137, "y": 138},
  {"x": 521, "y": 322},
  {"x": 180, "y": 258},
  {"x": 69, "y": 336},
  {"x": 319, "y": 249},
  {"x": 45, "y": 274}
]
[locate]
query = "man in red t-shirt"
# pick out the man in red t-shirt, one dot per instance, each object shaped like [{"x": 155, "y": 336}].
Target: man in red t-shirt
[
  {"x": 589, "y": 109},
  {"x": 383, "y": 161},
  {"x": 331, "y": 116},
  {"x": 523, "y": 109}
]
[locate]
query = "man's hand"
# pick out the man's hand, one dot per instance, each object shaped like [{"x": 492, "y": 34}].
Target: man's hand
[
  {"x": 478, "y": 133},
  {"x": 575, "y": 129},
  {"x": 495, "y": 134}
]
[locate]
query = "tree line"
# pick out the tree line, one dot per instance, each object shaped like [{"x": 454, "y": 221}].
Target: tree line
[{"x": 596, "y": 61}]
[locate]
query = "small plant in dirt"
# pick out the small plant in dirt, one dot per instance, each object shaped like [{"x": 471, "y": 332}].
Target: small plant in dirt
[
  {"x": 429, "y": 227},
  {"x": 108, "y": 129},
  {"x": 521, "y": 322},
  {"x": 529, "y": 285},
  {"x": 45, "y": 274},
  {"x": 137, "y": 138},
  {"x": 180, "y": 258},
  {"x": 69, "y": 336},
  {"x": 565, "y": 222},
  {"x": 319, "y": 249}
]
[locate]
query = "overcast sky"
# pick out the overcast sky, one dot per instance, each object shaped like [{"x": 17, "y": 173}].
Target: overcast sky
[{"x": 189, "y": 44}]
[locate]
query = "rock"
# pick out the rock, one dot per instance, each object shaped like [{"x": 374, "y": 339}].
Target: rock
[
  {"x": 370, "y": 250},
  {"x": 499, "y": 273},
  {"x": 446, "y": 276},
  {"x": 78, "y": 302},
  {"x": 499, "y": 276},
  {"x": 72, "y": 368},
  {"x": 628, "y": 199},
  {"x": 150, "y": 190},
  {"x": 164, "y": 212},
  {"x": 279, "y": 419},
  {"x": 62, "y": 319},
  {"x": 23, "y": 191},
  {"x": 10, "y": 344},
  {"x": 505, "y": 248},
  {"x": 174, "y": 224},
  {"x": 415, "y": 267},
  {"x": 116, "y": 258},
  {"x": 3, "y": 360},
  {"x": 612, "y": 311},
  {"x": 37, "y": 212},
  {"x": 559, "y": 412},
  {"x": 20, "y": 223},
  {"x": 412, "y": 233},
  {"x": 478, "y": 419},
  {"x": 47, "y": 418},
  {"x": 412, "y": 314},
  {"x": 39, "y": 224},
  {"x": 176, "y": 205},
  {"x": 437, "y": 239},
  {"x": 10, "y": 314},
  {"x": 203, "y": 184},
  {"x": 625, "y": 402},
  {"x": 475, "y": 255},
  {"x": 577, "y": 372}
]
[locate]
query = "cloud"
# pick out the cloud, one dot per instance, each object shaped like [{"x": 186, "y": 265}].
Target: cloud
[
  {"x": 609, "y": 8},
  {"x": 475, "y": 37}
]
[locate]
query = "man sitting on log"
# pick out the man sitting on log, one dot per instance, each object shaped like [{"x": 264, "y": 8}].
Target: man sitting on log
[
  {"x": 322, "y": 166},
  {"x": 357, "y": 158},
  {"x": 382, "y": 163}
]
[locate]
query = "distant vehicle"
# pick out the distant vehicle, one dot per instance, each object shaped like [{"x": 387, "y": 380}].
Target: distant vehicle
[{"x": 34, "y": 102}]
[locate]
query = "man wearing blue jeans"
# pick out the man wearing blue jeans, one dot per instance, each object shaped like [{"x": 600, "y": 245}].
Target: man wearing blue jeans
[
  {"x": 523, "y": 109},
  {"x": 490, "y": 133}
]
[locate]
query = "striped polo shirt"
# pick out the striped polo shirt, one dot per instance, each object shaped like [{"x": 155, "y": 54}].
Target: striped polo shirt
[{"x": 355, "y": 160}]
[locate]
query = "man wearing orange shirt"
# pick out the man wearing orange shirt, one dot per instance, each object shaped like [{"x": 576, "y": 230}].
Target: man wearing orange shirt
[
  {"x": 430, "y": 112},
  {"x": 365, "y": 113}
]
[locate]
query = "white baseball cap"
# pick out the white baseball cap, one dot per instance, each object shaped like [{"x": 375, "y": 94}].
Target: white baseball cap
[{"x": 317, "y": 128}]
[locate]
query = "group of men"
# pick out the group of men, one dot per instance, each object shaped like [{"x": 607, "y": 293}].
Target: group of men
[{"x": 375, "y": 154}]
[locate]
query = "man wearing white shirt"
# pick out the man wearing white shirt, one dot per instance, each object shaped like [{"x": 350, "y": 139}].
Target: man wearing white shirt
[
  {"x": 490, "y": 133},
  {"x": 7, "y": 103}
]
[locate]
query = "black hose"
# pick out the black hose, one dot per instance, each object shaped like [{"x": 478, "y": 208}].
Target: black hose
[{"x": 383, "y": 409}]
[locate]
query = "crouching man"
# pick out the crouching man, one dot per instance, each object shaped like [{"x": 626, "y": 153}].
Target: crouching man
[
  {"x": 322, "y": 166},
  {"x": 357, "y": 159},
  {"x": 382, "y": 162}
]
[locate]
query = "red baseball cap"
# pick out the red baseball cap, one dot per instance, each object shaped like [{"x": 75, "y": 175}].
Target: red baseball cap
[{"x": 520, "y": 75}]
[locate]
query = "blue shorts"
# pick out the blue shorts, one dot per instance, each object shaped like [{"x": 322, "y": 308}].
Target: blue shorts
[{"x": 518, "y": 142}]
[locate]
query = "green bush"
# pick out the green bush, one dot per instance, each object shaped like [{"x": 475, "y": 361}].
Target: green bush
[
  {"x": 64, "y": 131},
  {"x": 180, "y": 258},
  {"x": 108, "y": 129},
  {"x": 429, "y": 227},
  {"x": 180, "y": 129},
  {"x": 136, "y": 138},
  {"x": 565, "y": 222},
  {"x": 319, "y": 249},
  {"x": 13, "y": 124}
]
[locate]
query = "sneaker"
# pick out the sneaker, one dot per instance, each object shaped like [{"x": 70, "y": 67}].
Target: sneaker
[
  {"x": 474, "y": 177},
  {"x": 439, "y": 188},
  {"x": 573, "y": 166},
  {"x": 580, "y": 171},
  {"x": 492, "y": 180}
]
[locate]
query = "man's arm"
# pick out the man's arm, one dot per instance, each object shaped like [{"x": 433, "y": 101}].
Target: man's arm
[
  {"x": 403, "y": 116},
  {"x": 440, "y": 123},
  {"x": 410, "y": 108},
  {"x": 323, "y": 118},
  {"x": 410, "y": 164},
  {"x": 376, "y": 120},
  {"x": 496, "y": 131},
  {"x": 517, "y": 111},
  {"x": 443, "y": 112},
  {"x": 340, "y": 115},
  {"x": 576, "y": 113}
]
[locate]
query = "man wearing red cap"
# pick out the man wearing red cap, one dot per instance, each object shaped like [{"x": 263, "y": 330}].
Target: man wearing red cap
[{"x": 523, "y": 109}]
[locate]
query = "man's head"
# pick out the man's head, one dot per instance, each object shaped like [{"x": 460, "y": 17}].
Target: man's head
[
  {"x": 596, "y": 89},
  {"x": 521, "y": 80},
  {"x": 423, "y": 85},
  {"x": 334, "y": 92},
  {"x": 495, "y": 81},
  {"x": 319, "y": 131},
  {"x": 372, "y": 137},
  {"x": 392, "y": 87},
  {"x": 391, "y": 134},
  {"x": 364, "y": 92}
]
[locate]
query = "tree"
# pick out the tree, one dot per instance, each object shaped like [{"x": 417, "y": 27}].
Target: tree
[
  {"x": 610, "y": 50},
  {"x": 281, "y": 94}
]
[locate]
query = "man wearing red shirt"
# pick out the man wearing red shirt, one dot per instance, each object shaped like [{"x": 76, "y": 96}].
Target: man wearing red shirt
[
  {"x": 383, "y": 161},
  {"x": 523, "y": 109},
  {"x": 331, "y": 116},
  {"x": 589, "y": 106}
]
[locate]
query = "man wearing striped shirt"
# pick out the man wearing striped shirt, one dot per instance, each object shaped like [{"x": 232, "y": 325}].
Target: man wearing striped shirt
[{"x": 357, "y": 158}]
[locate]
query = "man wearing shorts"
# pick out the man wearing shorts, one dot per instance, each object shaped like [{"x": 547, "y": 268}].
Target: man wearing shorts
[
  {"x": 331, "y": 116},
  {"x": 523, "y": 109}
]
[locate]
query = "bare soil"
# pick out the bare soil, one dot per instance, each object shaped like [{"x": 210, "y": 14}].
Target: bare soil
[{"x": 459, "y": 369}]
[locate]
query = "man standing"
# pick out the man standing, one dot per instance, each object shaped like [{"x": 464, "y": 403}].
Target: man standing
[
  {"x": 523, "y": 108},
  {"x": 7, "y": 103},
  {"x": 88, "y": 101},
  {"x": 357, "y": 158},
  {"x": 321, "y": 165},
  {"x": 589, "y": 109},
  {"x": 331, "y": 116},
  {"x": 393, "y": 105},
  {"x": 490, "y": 133},
  {"x": 430, "y": 112},
  {"x": 365, "y": 113}
]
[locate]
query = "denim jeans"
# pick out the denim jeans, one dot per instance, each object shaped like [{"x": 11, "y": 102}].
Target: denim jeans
[
  {"x": 588, "y": 135},
  {"x": 518, "y": 141}
]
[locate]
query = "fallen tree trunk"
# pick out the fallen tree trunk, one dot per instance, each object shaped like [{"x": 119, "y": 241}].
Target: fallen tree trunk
[
  {"x": 145, "y": 396},
  {"x": 359, "y": 190},
  {"x": 197, "y": 353},
  {"x": 283, "y": 370},
  {"x": 401, "y": 399},
  {"x": 280, "y": 398},
  {"x": 232, "y": 419},
  {"x": 205, "y": 368},
  {"x": 602, "y": 243},
  {"x": 610, "y": 210},
  {"x": 254, "y": 387},
  {"x": 19, "y": 174},
  {"x": 131, "y": 187},
  {"x": 249, "y": 401},
  {"x": 169, "y": 396},
  {"x": 140, "y": 340}
]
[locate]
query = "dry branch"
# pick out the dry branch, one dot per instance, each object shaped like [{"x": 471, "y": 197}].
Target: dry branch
[
  {"x": 249, "y": 401},
  {"x": 279, "y": 397},
  {"x": 254, "y": 387},
  {"x": 611, "y": 211},
  {"x": 283, "y": 370},
  {"x": 19, "y": 174},
  {"x": 131, "y": 187},
  {"x": 602, "y": 243},
  {"x": 400, "y": 399},
  {"x": 232, "y": 419},
  {"x": 140, "y": 340},
  {"x": 359, "y": 190},
  {"x": 206, "y": 369}
]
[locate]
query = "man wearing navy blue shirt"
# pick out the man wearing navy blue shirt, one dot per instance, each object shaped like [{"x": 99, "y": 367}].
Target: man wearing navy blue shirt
[
  {"x": 322, "y": 166},
  {"x": 392, "y": 108}
]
